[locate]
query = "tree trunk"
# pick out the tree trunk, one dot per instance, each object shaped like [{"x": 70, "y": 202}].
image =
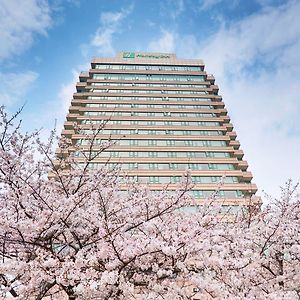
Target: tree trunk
[{"x": 70, "y": 293}]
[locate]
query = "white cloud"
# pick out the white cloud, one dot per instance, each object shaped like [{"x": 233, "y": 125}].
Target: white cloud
[
  {"x": 256, "y": 63},
  {"x": 208, "y": 4},
  {"x": 14, "y": 87},
  {"x": 171, "y": 9},
  {"x": 165, "y": 43},
  {"x": 110, "y": 25},
  {"x": 102, "y": 43},
  {"x": 20, "y": 20},
  {"x": 265, "y": 113},
  {"x": 66, "y": 91},
  {"x": 52, "y": 114},
  {"x": 268, "y": 36},
  {"x": 178, "y": 8},
  {"x": 65, "y": 94}
]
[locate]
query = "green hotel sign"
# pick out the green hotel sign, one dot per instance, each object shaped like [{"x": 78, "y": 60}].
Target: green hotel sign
[
  {"x": 141, "y": 55},
  {"x": 128, "y": 54},
  {"x": 152, "y": 56}
]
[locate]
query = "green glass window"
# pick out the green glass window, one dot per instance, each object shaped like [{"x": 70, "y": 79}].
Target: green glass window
[
  {"x": 154, "y": 179},
  {"x": 133, "y": 142},
  {"x": 175, "y": 179},
  {"x": 170, "y": 143},
  {"x": 194, "y": 166},
  {"x": 115, "y": 154},
  {"x": 152, "y": 154},
  {"x": 198, "y": 194},
  {"x": 173, "y": 166},
  {"x": 153, "y": 166},
  {"x": 191, "y": 154},
  {"x": 152, "y": 142},
  {"x": 172, "y": 154},
  {"x": 133, "y": 154},
  {"x": 132, "y": 166},
  {"x": 196, "y": 179}
]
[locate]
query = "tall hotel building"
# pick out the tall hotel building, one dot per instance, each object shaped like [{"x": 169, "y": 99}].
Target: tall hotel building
[{"x": 165, "y": 116}]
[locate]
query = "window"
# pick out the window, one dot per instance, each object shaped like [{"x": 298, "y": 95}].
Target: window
[
  {"x": 191, "y": 154},
  {"x": 198, "y": 194},
  {"x": 169, "y": 132},
  {"x": 209, "y": 154},
  {"x": 239, "y": 193},
  {"x": 143, "y": 143},
  {"x": 152, "y": 142},
  {"x": 173, "y": 166},
  {"x": 170, "y": 143},
  {"x": 133, "y": 142},
  {"x": 116, "y": 131},
  {"x": 194, "y": 166},
  {"x": 215, "y": 179},
  {"x": 152, "y": 154},
  {"x": 132, "y": 166},
  {"x": 212, "y": 167},
  {"x": 133, "y": 122},
  {"x": 175, "y": 179},
  {"x": 235, "y": 179},
  {"x": 133, "y": 154},
  {"x": 154, "y": 179},
  {"x": 189, "y": 143},
  {"x": 115, "y": 154},
  {"x": 112, "y": 166},
  {"x": 196, "y": 179},
  {"x": 153, "y": 166}
]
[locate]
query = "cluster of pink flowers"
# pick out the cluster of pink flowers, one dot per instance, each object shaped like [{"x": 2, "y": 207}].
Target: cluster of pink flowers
[{"x": 81, "y": 236}]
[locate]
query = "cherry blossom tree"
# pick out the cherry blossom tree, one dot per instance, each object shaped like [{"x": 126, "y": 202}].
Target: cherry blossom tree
[
  {"x": 86, "y": 235},
  {"x": 257, "y": 256}
]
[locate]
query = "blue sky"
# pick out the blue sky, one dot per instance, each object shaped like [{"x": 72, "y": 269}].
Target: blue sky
[{"x": 251, "y": 46}]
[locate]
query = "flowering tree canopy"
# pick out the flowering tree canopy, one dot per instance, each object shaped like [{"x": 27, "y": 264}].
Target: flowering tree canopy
[{"x": 82, "y": 235}]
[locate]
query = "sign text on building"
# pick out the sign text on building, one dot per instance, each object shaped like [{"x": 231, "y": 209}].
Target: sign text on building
[{"x": 141, "y": 55}]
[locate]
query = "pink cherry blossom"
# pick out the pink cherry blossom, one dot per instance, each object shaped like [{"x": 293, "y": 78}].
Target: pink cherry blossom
[{"x": 70, "y": 233}]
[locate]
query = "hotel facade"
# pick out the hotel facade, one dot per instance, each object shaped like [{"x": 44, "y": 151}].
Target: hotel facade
[{"x": 163, "y": 116}]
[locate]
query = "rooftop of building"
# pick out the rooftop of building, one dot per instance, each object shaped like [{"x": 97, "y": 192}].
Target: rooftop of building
[{"x": 128, "y": 57}]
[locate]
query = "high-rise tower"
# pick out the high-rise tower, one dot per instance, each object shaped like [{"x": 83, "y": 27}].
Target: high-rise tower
[{"x": 166, "y": 116}]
